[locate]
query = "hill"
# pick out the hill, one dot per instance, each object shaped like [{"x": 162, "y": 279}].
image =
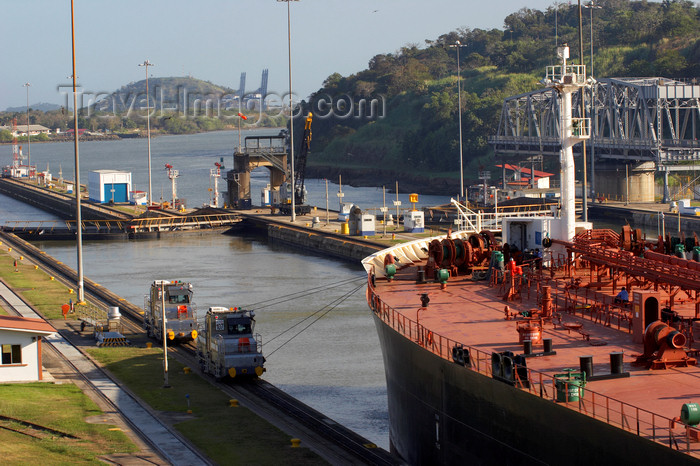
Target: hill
[
  {"x": 179, "y": 93},
  {"x": 43, "y": 106},
  {"x": 179, "y": 105},
  {"x": 414, "y": 135}
]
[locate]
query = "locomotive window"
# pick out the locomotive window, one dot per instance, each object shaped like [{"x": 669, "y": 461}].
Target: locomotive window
[
  {"x": 178, "y": 299},
  {"x": 237, "y": 328}
]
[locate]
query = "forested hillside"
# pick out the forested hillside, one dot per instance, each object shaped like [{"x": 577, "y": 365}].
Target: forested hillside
[{"x": 417, "y": 137}]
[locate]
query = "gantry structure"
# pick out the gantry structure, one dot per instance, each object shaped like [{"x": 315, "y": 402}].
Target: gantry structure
[{"x": 650, "y": 122}]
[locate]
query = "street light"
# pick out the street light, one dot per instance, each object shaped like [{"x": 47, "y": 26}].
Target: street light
[
  {"x": 29, "y": 137},
  {"x": 78, "y": 219},
  {"x": 291, "y": 108},
  {"x": 149, "y": 199},
  {"x": 458, "y": 46},
  {"x": 591, "y": 6}
]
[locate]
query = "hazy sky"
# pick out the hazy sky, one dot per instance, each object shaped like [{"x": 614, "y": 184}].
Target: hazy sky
[{"x": 216, "y": 40}]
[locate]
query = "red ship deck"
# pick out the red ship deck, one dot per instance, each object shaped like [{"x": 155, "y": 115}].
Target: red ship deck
[{"x": 584, "y": 322}]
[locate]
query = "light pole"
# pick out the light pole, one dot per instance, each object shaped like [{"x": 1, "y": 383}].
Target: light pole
[
  {"x": 29, "y": 137},
  {"x": 291, "y": 108},
  {"x": 458, "y": 46},
  {"x": 149, "y": 199},
  {"x": 166, "y": 382},
  {"x": 591, "y": 6},
  {"x": 583, "y": 115},
  {"x": 78, "y": 219}
]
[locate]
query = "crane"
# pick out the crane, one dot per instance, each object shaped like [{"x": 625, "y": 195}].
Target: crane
[{"x": 300, "y": 163}]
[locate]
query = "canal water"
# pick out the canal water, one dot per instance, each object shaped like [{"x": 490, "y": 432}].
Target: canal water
[
  {"x": 317, "y": 331},
  {"x": 193, "y": 155}
]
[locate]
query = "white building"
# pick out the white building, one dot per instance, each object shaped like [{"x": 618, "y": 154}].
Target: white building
[
  {"x": 22, "y": 130},
  {"x": 109, "y": 185},
  {"x": 20, "y": 348}
]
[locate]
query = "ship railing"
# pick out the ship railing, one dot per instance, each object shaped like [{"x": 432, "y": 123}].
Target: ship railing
[
  {"x": 638, "y": 421},
  {"x": 475, "y": 222}
]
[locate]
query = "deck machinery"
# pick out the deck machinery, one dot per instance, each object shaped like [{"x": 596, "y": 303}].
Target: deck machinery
[
  {"x": 180, "y": 312},
  {"x": 227, "y": 344}
]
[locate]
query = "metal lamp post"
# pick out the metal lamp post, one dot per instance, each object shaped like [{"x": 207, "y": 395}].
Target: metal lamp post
[
  {"x": 583, "y": 115},
  {"x": 29, "y": 137},
  {"x": 149, "y": 199},
  {"x": 291, "y": 107},
  {"x": 78, "y": 219},
  {"x": 458, "y": 46},
  {"x": 166, "y": 381},
  {"x": 591, "y": 6}
]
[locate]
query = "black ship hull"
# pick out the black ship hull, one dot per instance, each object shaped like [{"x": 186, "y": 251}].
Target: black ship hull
[{"x": 444, "y": 413}]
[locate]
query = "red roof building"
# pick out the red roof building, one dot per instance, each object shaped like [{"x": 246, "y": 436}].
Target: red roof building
[{"x": 20, "y": 348}]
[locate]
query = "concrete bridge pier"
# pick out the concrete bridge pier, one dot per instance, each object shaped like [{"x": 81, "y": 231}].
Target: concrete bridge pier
[
  {"x": 632, "y": 182},
  {"x": 238, "y": 179}
]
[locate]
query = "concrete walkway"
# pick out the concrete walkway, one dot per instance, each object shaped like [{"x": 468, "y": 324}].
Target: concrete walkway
[{"x": 170, "y": 445}]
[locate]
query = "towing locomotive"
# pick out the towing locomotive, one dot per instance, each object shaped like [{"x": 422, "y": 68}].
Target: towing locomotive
[
  {"x": 180, "y": 312},
  {"x": 227, "y": 345}
]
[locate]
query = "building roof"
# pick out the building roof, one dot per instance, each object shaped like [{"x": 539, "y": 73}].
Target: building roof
[
  {"x": 526, "y": 171},
  {"x": 23, "y": 128},
  {"x": 26, "y": 324}
]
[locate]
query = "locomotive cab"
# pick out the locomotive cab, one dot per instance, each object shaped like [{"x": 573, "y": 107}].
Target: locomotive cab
[
  {"x": 228, "y": 345},
  {"x": 172, "y": 298}
]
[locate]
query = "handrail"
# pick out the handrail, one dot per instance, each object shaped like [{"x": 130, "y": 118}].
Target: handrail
[
  {"x": 614, "y": 412},
  {"x": 212, "y": 220}
]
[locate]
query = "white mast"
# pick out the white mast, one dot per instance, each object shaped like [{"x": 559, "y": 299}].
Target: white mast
[
  {"x": 172, "y": 174},
  {"x": 215, "y": 174},
  {"x": 567, "y": 79}
]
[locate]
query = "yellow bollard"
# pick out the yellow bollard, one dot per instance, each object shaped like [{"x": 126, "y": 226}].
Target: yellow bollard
[
  {"x": 233, "y": 403},
  {"x": 186, "y": 369},
  {"x": 296, "y": 442},
  {"x": 149, "y": 345},
  {"x": 393, "y": 236}
]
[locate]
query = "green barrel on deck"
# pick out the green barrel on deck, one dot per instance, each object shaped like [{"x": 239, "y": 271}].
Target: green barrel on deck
[{"x": 569, "y": 386}]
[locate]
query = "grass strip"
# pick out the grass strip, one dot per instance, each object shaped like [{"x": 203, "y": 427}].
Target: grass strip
[
  {"x": 226, "y": 435},
  {"x": 36, "y": 286},
  {"x": 63, "y": 408}
]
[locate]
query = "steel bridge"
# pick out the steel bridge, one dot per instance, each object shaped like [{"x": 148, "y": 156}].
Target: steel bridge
[{"x": 634, "y": 121}]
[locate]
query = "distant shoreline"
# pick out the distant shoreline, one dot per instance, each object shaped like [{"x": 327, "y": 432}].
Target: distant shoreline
[{"x": 116, "y": 137}]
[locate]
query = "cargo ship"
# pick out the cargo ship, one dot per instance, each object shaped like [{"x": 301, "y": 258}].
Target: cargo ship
[{"x": 526, "y": 350}]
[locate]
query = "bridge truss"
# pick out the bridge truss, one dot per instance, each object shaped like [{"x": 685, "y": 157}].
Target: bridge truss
[{"x": 633, "y": 120}]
